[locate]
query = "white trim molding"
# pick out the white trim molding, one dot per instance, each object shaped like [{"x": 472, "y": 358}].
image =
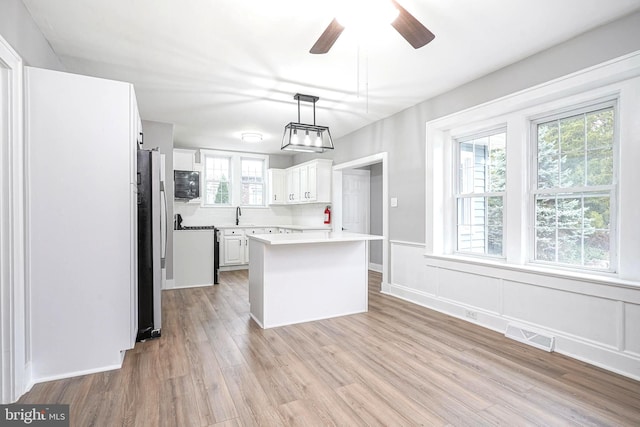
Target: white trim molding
[
  {"x": 337, "y": 201},
  {"x": 600, "y": 327},
  {"x": 593, "y": 315},
  {"x": 14, "y": 359}
]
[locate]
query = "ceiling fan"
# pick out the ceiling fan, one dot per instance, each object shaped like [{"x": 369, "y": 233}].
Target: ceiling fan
[{"x": 405, "y": 23}]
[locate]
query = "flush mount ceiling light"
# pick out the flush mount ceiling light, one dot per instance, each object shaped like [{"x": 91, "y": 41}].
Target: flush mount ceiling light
[
  {"x": 251, "y": 137},
  {"x": 304, "y": 137}
]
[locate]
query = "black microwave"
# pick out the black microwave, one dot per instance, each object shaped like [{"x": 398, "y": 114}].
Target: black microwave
[{"x": 186, "y": 184}]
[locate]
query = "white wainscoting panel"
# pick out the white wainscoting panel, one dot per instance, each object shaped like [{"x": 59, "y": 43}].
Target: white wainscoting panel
[
  {"x": 584, "y": 316},
  {"x": 592, "y": 320},
  {"x": 632, "y": 329},
  {"x": 470, "y": 289},
  {"x": 405, "y": 256}
]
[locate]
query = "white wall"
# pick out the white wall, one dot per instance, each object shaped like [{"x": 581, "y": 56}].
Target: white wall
[{"x": 18, "y": 30}]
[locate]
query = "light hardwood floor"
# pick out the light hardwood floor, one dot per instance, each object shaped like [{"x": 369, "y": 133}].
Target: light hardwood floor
[{"x": 397, "y": 365}]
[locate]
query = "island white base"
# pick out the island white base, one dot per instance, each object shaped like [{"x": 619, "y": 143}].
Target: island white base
[{"x": 294, "y": 283}]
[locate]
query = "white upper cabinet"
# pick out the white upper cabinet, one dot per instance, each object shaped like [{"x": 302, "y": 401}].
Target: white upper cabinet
[
  {"x": 309, "y": 182},
  {"x": 293, "y": 185},
  {"x": 184, "y": 160},
  {"x": 277, "y": 186},
  {"x": 314, "y": 181}
]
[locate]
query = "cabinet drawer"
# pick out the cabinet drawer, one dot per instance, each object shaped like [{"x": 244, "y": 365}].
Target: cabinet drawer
[
  {"x": 270, "y": 231},
  {"x": 233, "y": 231},
  {"x": 249, "y": 231}
]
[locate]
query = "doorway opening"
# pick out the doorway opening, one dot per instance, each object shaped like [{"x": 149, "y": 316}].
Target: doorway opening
[
  {"x": 13, "y": 328},
  {"x": 360, "y": 191}
]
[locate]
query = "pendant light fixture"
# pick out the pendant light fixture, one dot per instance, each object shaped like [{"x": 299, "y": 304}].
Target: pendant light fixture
[{"x": 304, "y": 137}]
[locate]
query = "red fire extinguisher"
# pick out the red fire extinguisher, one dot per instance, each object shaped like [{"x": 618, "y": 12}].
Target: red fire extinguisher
[{"x": 327, "y": 215}]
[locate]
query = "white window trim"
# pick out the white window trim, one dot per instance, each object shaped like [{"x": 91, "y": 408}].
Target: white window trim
[
  {"x": 235, "y": 179},
  {"x": 618, "y": 79},
  {"x": 612, "y": 189},
  {"x": 457, "y": 140},
  {"x": 265, "y": 167}
]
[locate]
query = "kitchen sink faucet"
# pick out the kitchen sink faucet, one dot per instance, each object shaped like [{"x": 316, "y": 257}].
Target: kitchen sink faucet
[{"x": 238, "y": 215}]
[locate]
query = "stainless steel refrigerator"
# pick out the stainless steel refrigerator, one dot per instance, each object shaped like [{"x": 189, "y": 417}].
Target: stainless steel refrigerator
[{"x": 151, "y": 243}]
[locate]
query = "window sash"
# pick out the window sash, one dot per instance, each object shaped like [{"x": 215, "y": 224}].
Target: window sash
[
  {"x": 218, "y": 192},
  {"x": 480, "y": 234},
  {"x": 244, "y": 187},
  {"x": 581, "y": 191},
  {"x": 468, "y": 234},
  {"x": 252, "y": 182}
]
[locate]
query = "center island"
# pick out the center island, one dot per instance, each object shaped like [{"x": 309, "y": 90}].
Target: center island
[{"x": 301, "y": 277}]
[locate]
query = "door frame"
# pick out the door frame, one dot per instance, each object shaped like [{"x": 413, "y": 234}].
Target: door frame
[
  {"x": 336, "y": 214},
  {"x": 368, "y": 213},
  {"x": 13, "y": 291}
]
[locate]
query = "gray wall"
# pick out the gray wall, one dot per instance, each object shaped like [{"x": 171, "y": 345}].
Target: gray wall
[
  {"x": 20, "y": 31},
  {"x": 279, "y": 161},
  {"x": 375, "y": 211},
  {"x": 160, "y": 135},
  {"x": 403, "y": 135}
]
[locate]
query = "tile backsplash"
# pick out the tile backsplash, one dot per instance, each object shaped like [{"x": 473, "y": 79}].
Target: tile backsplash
[{"x": 194, "y": 214}]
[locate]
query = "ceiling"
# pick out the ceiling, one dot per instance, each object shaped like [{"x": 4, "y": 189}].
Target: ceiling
[{"x": 217, "y": 68}]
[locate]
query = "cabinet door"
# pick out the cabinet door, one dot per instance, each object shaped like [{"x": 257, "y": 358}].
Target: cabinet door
[
  {"x": 321, "y": 182},
  {"x": 293, "y": 185},
  {"x": 183, "y": 160},
  {"x": 311, "y": 181},
  {"x": 233, "y": 250},
  {"x": 277, "y": 186}
]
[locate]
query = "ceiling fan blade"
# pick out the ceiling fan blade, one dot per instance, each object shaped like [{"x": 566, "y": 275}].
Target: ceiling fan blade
[
  {"x": 410, "y": 28},
  {"x": 327, "y": 38}
]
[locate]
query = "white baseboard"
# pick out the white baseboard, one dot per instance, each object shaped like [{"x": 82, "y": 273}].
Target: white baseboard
[
  {"x": 572, "y": 346},
  {"x": 375, "y": 267},
  {"x": 75, "y": 374},
  {"x": 234, "y": 267},
  {"x": 204, "y": 285},
  {"x": 170, "y": 284}
]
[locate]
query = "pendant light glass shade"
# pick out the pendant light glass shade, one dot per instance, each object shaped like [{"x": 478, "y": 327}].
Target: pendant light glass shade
[{"x": 305, "y": 137}]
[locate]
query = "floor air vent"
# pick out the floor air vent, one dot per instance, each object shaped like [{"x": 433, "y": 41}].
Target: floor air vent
[{"x": 536, "y": 339}]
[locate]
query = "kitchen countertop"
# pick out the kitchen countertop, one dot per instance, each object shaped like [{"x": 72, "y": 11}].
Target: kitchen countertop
[
  {"x": 290, "y": 227},
  {"x": 319, "y": 237}
]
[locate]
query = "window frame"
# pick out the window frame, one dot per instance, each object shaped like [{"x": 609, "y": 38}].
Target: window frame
[
  {"x": 457, "y": 140},
  {"x": 235, "y": 179},
  {"x": 218, "y": 155},
  {"x": 581, "y": 191},
  {"x": 264, "y": 161},
  {"x": 617, "y": 79}
]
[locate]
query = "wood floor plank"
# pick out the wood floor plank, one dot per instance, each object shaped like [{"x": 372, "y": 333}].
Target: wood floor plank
[{"x": 397, "y": 364}]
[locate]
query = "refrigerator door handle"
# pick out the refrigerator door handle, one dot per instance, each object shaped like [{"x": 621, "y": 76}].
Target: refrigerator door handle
[{"x": 164, "y": 214}]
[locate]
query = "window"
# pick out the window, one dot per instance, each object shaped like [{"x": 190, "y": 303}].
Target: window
[
  {"x": 232, "y": 179},
  {"x": 253, "y": 190},
  {"x": 216, "y": 180},
  {"x": 574, "y": 188},
  {"x": 481, "y": 183}
]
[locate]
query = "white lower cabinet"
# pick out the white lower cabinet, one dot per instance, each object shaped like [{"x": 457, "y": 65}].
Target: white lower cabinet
[
  {"x": 233, "y": 250},
  {"x": 234, "y": 243}
]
